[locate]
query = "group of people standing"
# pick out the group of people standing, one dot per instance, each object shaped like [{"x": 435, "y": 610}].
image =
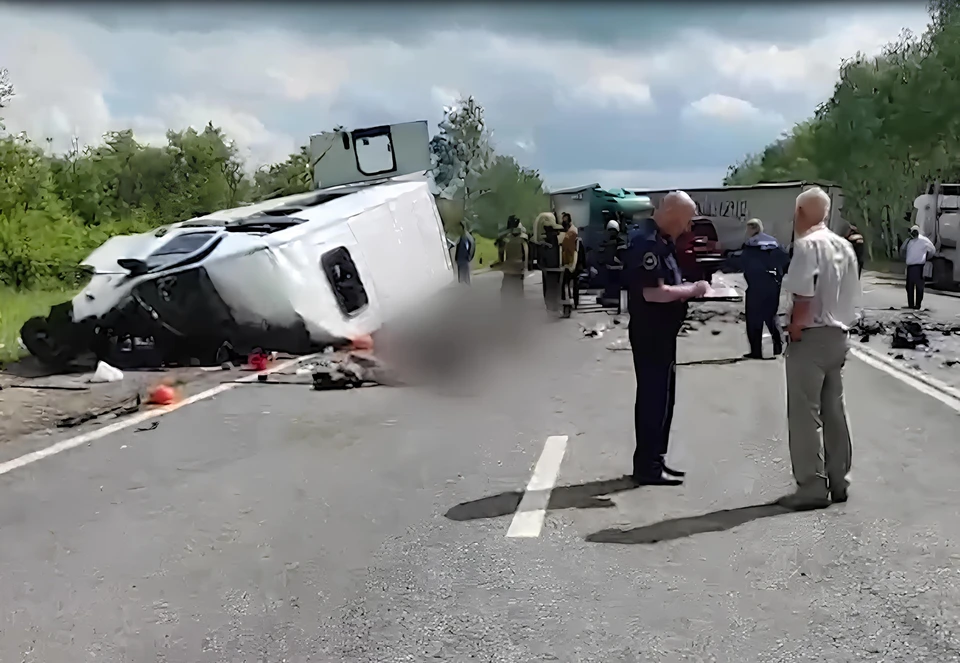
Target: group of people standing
[{"x": 824, "y": 288}]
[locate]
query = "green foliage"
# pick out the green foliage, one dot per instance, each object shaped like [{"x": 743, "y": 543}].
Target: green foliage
[
  {"x": 887, "y": 131},
  {"x": 488, "y": 187}
]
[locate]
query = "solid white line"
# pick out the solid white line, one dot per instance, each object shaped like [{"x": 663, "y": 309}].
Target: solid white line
[
  {"x": 532, "y": 510},
  {"x": 922, "y": 383},
  {"x": 135, "y": 419}
]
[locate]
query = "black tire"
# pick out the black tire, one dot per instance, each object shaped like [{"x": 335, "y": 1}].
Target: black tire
[{"x": 42, "y": 344}]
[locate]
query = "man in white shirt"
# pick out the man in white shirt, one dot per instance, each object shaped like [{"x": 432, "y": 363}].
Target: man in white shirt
[
  {"x": 824, "y": 288},
  {"x": 916, "y": 250}
]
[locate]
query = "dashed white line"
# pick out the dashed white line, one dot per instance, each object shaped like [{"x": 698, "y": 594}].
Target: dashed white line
[
  {"x": 532, "y": 510},
  {"x": 133, "y": 420}
]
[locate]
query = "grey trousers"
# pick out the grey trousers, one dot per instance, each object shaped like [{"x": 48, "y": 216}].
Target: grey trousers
[{"x": 815, "y": 404}]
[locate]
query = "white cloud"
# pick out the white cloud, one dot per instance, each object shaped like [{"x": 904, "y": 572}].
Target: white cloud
[
  {"x": 809, "y": 68},
  {"x": 269, "y": 88},
  {"x": 730, "y": 110}
]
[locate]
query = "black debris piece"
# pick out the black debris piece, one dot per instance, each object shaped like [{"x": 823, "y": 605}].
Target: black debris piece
[
  {"x": 908, "y": 335},
  {"x": 349, "y": 370},
  {"x": 126, "y": 407},
  {"x": 144, "y": 429}
]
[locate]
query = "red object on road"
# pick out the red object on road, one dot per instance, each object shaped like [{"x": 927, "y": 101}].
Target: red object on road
[
  {"x": 258, "y": 361},
  {"x": 162, "y": 394}
]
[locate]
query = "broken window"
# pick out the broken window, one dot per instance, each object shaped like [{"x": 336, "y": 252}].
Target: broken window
[
  {"x": 180, "y": 245},
  {"x": 345, "y": 280},
  {"x": 373, "y": 149}
]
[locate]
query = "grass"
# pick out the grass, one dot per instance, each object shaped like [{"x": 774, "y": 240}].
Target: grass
[
  {"x": 16, "y": 307},
  {"x": 486, "y": 253}
]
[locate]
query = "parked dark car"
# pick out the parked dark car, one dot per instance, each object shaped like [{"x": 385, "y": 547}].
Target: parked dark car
[{"x": 699, "y": 250}]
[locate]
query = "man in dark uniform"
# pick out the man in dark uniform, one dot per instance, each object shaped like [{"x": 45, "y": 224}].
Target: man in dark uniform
[
  {"x": 764, "y": 262},
  {"x": 657, "y": 301}
]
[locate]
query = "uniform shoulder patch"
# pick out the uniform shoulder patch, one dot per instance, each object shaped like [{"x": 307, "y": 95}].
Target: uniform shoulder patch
[{"x": 650, "y": 260}]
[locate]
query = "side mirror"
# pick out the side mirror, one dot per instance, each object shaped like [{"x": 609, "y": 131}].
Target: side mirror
[{"x": 134, "y": 266}]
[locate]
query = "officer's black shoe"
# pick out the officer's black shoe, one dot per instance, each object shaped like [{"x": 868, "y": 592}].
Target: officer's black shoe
[
  {"x": 753, "y": 355},
  {"x": 778, "y": 351},
  {"x": 655, "y": 480},
  {"x": 673, "y": 473}
]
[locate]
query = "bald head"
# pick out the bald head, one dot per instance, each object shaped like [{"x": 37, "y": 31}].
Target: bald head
[
  {"x": 813, "y": 208},
  {"x": 674, "y": 213}
]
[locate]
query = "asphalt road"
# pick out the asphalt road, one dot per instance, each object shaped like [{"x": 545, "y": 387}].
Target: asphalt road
[{"x": 275, "y": 523}]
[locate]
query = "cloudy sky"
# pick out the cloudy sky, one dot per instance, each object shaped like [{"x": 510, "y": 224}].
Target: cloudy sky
[{"x": 628, "y": 95}]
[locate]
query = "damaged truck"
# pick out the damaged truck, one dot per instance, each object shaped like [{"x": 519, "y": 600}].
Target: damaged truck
[{"x": 294, "y": 274}]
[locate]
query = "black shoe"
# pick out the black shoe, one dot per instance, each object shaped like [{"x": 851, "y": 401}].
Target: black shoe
[
  {"x": 838, "y": 496},
  {"x": 752, "y": 355},
  {"x": 778, "y": 351},
  {"x": 799, "y": 502},
  {"x": 655, "y": 480},
  {"x": 674, "y": 473}
]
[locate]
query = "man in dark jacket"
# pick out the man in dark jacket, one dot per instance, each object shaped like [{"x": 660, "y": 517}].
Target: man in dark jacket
[
  {"x": 764, "y": 262},
  {"x": 466, "y": 248},
  {"x": 856, "y": 239}
]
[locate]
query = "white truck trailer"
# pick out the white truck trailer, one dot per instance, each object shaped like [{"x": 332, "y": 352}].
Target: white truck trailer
[
  {"x": 937, "y": 212},
  {"x": 729, "y": 208}
]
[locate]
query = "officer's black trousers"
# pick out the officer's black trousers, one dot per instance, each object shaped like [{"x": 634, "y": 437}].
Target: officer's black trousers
[
  {"x": 653, "y": 411},
  {"x": 761, "y": 310},
  {"x": 915, "y": 286}
]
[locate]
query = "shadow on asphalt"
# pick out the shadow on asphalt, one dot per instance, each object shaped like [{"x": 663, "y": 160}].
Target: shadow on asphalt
[
  {"x": 720, "y": 361},
  {"x": 588, "y": 495},
  {"x": 678, "y": 528}
]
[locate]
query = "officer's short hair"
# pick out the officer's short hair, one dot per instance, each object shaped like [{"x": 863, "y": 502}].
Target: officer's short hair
[{"x": 755, "y": 223}]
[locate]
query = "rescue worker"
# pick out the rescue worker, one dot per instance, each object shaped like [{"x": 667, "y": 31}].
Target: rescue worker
[
  {"x": 764, "y": 261},
  {"x": 657, "y": 301},
  {"x": 856, "y": 240},
  {"x": 916, "y": 250},
  {"x": 612, "y": 263},
  {"x": 569, "y": 245},
  {"x": 513, "y": 249},
  {"x": 466, "y": 248},
  {"x": 549, "y": 260}
]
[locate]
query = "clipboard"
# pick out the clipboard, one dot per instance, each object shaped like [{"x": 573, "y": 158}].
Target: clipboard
[{"x": 724, "y": 294}]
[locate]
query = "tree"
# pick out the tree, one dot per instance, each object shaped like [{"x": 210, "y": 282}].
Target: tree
[
  {"x": 6, "y": 91},
  {"x": 461, "y": 153},
  {"x": 511, "y": 190},
  {"x": 885, "y": 132},
  {"x": 295, "y": 175}
]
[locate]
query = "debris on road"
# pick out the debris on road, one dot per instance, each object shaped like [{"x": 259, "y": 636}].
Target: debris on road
[
  {"x": 593, "y": 332},
  {"x": 163, "y": 394},
  {"x": 143, "y": 429},
  {"x": 129, "y": 406},
  {"x": 349, "y": 370},
  {"x": 106, "y": 373},
  {"x": 908, "y": 335},
  {"x": 620, "y": 345}
]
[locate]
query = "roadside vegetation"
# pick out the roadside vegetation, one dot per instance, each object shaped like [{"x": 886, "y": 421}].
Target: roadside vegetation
[
  {"x": 56, "y": 208},
  {"x": 887, "y": 130}
]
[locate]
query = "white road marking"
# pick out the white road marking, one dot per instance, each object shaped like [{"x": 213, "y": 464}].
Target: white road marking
[
  {"x": 135, "y": 419},
  {"x": 922, "y": 383},
  {"x": 532, "y": 510}
]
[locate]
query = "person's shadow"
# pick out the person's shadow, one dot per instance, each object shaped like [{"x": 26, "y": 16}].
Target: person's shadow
[
  {"x": 678, "y": 528},
  {"x": 589, "y": 495}
]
